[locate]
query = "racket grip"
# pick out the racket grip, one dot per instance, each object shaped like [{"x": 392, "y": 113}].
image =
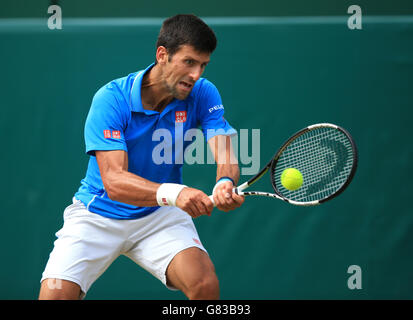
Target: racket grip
[{"x": 211, "y": 197}]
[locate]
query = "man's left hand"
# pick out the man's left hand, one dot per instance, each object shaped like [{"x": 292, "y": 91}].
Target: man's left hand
[{"x": 225, "y": 199}]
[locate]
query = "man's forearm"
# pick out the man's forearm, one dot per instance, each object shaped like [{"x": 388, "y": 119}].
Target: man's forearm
[
  {"x": 228, "y": 170},
  {"x": 227, "y": 164},
  {"x": 129, "y": 188}
]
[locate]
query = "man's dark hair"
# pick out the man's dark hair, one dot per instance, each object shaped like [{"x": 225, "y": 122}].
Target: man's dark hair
[{"x": 186, "y": 29}]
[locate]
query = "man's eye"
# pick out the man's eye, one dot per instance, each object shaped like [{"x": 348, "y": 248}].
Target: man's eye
[{"x": 189, "y": 62}]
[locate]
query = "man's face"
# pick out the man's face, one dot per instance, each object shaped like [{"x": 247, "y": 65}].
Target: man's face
[{"x": 182, "y": 70}]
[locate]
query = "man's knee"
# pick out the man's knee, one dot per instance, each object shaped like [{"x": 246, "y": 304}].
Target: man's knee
[
  {"x": 192, "y": 272},
  {"x": 206, "y": 288},
  {"x": 57, "y": 289}
]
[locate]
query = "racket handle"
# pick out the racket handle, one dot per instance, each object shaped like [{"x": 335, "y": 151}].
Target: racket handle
[{"x": 211, "y": 197}]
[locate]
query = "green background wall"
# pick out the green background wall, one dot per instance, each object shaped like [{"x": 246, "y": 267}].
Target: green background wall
[
  {"x": 164, "y": 8},
  {"x": 275, "y": 74}
]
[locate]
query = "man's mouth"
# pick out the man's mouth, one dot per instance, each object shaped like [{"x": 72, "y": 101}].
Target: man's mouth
[{"x": 185, "y": 85}]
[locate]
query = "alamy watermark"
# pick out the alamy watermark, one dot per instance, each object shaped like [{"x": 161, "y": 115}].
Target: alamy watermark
[
  {"x": 170, "y": 149},
  {"x": 54, "y": 284},
  {"x": 355, "y": 20},
  {"x": 55, "y": 20},
  {"x": 354, "y": 281}
]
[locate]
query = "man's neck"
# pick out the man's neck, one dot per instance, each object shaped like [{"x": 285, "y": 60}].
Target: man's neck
[{"x": 153, "y": 94}]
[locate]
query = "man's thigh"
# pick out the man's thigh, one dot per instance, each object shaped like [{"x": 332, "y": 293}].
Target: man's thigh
[
  {"x": 58, "y": 289},
  {"x": 189, "y": 269},
  {"x": 85, "y": 246},
  {"x": 166, "y": 234}
]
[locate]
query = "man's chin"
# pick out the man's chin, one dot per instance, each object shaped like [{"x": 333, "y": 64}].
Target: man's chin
[{"x": 182, "y": 95}]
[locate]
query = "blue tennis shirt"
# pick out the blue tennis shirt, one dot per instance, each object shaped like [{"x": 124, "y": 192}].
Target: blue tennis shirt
[{"x": 154, "y": 141}]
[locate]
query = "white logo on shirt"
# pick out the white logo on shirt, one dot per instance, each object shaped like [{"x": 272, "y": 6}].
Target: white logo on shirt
[{"x": 217, "y": 107}]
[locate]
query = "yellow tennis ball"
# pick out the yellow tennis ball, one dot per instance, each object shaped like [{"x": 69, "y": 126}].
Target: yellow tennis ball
[{"x": 291, "y": 179}]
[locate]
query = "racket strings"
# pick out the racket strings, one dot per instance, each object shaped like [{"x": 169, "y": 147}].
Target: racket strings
[{"x": 324, "y": 156}]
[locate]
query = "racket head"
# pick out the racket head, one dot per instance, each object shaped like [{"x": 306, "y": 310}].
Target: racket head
[{"x": 326, "y": 156}]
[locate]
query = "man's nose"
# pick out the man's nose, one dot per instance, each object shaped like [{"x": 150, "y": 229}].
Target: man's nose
[{"x": 196, "y": 73}]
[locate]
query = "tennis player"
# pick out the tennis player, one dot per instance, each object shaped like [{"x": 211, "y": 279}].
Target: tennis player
[{"x": 129, "y": 203}]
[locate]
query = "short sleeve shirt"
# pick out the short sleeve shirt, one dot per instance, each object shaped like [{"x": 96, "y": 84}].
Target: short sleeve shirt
[{"x": 155, "y": 142}]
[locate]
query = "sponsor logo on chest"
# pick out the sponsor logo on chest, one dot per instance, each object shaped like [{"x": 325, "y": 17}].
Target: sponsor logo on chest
[{"x": 180, "y": 116}]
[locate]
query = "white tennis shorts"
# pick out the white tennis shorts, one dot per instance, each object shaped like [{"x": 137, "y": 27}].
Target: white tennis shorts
[{"x": 88, "y": 243}]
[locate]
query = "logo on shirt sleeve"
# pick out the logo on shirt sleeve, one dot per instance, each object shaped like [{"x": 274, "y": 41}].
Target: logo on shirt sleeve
[
  {"x": 217, "y": 107},
  {"x": 106, "y": 134},
  {"x": 180, "y": 116},
  {"x": 116, "y": 134}
]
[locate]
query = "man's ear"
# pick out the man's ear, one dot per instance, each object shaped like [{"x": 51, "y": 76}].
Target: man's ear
[{"x": 161, "y": 55}]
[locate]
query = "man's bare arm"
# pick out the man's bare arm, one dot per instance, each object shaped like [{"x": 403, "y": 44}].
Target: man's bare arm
[
  {"x": 227, "y": 166},
  {"x": 122, "y": 185},
  {"x": 126, "y": 187}
]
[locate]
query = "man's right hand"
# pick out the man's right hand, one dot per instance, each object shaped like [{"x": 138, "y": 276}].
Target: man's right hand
[{"x": 195, "y": 202}]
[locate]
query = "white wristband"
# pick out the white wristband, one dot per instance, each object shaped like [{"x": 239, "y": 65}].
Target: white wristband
[{"x": 167, "y": 193}]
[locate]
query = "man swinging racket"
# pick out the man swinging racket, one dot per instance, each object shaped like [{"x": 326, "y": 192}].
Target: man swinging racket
[{"x": 130, "y": 204}]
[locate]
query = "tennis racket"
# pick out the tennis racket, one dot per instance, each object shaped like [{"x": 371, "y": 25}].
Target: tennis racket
[{"x": 326, "y": 156}]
